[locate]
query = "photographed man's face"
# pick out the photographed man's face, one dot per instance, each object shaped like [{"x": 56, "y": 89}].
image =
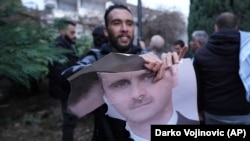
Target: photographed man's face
[
  {"x": 120, "y": 30},
  {"x": 135, "y": 96}
]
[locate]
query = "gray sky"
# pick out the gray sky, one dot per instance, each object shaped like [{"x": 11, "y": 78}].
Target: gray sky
[{"x": 181, "y": 5}]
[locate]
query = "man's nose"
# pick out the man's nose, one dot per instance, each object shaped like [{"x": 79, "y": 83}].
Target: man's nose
[
  {"x": 124, "y": 27},
  {"x": 138, "y": 90}
]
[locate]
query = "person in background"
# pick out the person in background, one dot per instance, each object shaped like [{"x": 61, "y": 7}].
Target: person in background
[
  {"x": 199, "y": 39},
  {"x": 221, "y": 94},
  {"x": 99, "y": 37},
  {"x": 66, "y": 40},
  {"x": 156, "y": 45},
  {"x": 179, "y": 45},
  {"x": 119, "y": 28}
]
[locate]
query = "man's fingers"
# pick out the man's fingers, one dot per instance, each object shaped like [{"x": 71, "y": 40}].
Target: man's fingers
[
  {"x": 160, "y": 74},
  {"x": 152, "y": 62},
  {"x": 170, "y": 59},
  {"x": 183, "y": 52},
  {"x": 175, "y": 58}
]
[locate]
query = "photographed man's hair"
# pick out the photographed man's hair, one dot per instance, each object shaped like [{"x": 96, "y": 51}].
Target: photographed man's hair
[
  {"x": 201, "y": 36},
  {"x": 112, "y": 7},
  {"x": 179, "y": 42},
  {"x": 226, "y": 20}
]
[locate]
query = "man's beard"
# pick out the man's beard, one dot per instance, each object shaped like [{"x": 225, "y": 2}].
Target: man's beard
[
  {"x": 69, "y": 40},
  {"x": 119, "y": 48}
]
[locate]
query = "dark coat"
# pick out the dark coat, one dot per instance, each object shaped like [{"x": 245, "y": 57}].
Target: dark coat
[
  {"x": 182, "y": 120},
  {"x": 220, "y": 89},
  {"x": 56, "y": 69}
]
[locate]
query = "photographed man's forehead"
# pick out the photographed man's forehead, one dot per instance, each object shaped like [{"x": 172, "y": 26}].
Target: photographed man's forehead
[{"x": 122, "y": 74}]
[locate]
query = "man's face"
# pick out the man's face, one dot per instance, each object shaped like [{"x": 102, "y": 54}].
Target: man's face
[
  {"x": 136, "y": 97},
  {"x": 177, "y": 48},
  {"x": 120, "y": 30},
  {"x": 70, "y": 33},
  {"x": 194, "y": 44}
]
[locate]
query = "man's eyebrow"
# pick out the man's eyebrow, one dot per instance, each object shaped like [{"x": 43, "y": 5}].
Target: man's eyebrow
[
  {"x": 147, "y": 73},
  {"x": 118, "y": 81},
  {"x": 117, "y": 19}
]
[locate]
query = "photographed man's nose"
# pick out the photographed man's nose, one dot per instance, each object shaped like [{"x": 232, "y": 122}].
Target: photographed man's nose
[{"x": 138, "y": 91}]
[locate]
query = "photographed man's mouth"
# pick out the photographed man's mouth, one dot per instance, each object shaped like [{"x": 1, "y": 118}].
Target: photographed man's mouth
[{"x": 140, "y": 104}]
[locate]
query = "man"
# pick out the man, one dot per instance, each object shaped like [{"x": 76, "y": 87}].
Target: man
[
  {"x": 156, "y": 45},
  {"x": 119, "y": 28},
  {"x": 131, "y": 91},
  {"x": 221, "y": 94},
  {"x": 66, "y": 40},
  {"x": 179, "y": 45},
  {"x": 199, "y": 38},
  {"x": 98, "y": 36}
]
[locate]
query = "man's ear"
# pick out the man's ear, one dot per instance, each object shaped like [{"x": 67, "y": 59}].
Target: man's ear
[
  {"x": 199, "y": 44},
  {"x": 216, "y": 28},
  {"x": 175, "y": 72},
  {"x": 62, "y": 31},
  {"x": 106, "y": 31},
  {"x": 236, "y": 27}
]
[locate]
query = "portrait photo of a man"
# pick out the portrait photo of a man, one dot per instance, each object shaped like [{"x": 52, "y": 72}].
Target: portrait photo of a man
[{"x": 132, "y": 95}]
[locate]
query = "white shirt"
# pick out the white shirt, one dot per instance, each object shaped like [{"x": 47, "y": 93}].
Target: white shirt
[{"x": 172, "y": 121}]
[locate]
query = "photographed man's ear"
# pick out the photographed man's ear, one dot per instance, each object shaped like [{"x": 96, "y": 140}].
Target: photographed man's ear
[{"x": 174, "y": 73}]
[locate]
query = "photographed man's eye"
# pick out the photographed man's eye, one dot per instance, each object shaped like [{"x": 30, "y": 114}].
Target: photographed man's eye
[
  {"x": 149, "y": 76},
  {"x": 121, "y": 83}
]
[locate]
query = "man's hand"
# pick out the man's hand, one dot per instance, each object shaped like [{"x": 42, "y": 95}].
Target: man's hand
[
  {"x": 183, "y": 52},
  {"x": 159, "y": 66},
  {"x": 155, "y": 64}
]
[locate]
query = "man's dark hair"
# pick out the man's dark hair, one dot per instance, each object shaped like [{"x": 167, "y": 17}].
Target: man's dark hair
[
  {"x": 68, "y": 22},
  {"x": 226, "y": 20},
  {"x": 99, "y": 37},
  {"x": 112, "y": 7},
  {"x": 62, "y": 23},
  {"x": 179, "y": 42}
]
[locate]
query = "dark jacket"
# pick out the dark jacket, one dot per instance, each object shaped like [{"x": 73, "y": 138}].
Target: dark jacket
[
  {"x": 56, "y": 69},
  {"x": 182, "y": 120},
  {"x": 220, "y": 89},
  {"x": 105, "y": 127}
]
